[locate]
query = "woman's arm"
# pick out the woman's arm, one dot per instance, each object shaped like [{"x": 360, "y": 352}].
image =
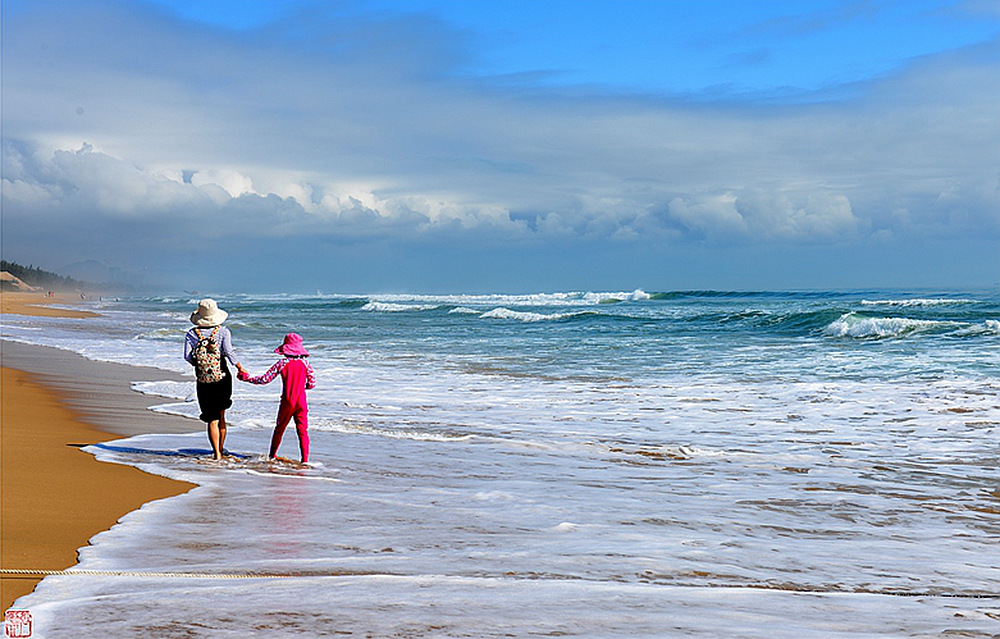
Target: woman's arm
[
  {"x": 226, "y": 347},
  {"x": 190, "y": 341}
]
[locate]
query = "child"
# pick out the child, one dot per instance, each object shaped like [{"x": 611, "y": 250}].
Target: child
[{"x": 296, "y": 376}]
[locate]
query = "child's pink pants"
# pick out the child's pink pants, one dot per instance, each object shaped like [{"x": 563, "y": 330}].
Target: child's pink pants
[{"x": 286, "y": 412}]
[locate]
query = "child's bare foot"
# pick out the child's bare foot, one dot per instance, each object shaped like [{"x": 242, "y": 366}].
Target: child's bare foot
[{"x": 286, "y": 461}]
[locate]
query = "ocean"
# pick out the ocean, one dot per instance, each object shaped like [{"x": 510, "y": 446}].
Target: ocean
[{"x": 584, "y": 464}]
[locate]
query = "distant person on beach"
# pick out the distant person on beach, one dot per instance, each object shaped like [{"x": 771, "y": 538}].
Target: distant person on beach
[
  {"x": 296, "y": 377},
  {"x": 207, "y": 347}
]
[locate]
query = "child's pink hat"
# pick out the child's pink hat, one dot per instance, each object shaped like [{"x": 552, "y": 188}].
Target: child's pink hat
[{"x": 292, "y": 346}]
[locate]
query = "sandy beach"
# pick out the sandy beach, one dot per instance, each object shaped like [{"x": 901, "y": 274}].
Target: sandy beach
[
  {"x": 54, "y": 496},
  {"x": 39, "y": 304}
]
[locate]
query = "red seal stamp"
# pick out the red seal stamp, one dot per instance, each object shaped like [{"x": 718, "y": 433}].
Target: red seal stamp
[{"x": 17, "y": 623}]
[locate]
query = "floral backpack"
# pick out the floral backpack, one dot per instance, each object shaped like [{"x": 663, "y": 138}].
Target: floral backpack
[{"x": 207, "y": 358}]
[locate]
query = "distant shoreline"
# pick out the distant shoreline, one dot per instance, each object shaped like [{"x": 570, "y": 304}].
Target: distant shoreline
[{"x": 40, "y": 304}]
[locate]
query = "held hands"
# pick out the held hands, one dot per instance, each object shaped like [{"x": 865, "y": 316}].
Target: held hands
[{"x": 243, "y": 375}]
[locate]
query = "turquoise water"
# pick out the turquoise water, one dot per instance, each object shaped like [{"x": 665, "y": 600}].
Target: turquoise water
[{"x": 625, "y": 464}]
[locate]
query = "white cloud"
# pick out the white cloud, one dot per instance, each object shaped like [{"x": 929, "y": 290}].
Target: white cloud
[
  {"x": 818, "y": 214},
  {"x": 713, "y": 215},
  {"x": 88, "y": 179},
  {"x": 764, "y": 215},
  {"x": 232, "y": 182}
]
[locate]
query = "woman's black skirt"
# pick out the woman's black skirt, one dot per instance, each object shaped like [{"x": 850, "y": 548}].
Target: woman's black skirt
[{"x": 215, "y": 397}]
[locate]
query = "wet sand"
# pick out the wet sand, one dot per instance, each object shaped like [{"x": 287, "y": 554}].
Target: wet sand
[{"x": 54, "y": 496}]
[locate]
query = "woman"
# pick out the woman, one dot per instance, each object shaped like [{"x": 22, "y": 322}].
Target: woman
[{"x": 207, "y": 346}]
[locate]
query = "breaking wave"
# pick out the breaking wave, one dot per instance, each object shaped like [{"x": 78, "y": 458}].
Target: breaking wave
[
  {"x": 388, "y": 307},
  {"x": 860, "y": 327},
  {"x": 528, "y": 316},
  {"x": 917, "y": 302}
]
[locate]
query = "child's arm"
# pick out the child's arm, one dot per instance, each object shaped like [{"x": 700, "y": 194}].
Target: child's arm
[
  {"x": 267, "y": 377},
  {"x": 310, "y": 377}
]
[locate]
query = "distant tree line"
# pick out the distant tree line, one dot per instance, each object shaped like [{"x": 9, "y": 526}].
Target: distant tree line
[{"x": 37, "y": 277}]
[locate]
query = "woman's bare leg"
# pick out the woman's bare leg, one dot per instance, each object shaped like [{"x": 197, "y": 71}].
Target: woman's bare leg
[
  {"x": 222, "y": 432},
  {"x": 215, "y": 438}
]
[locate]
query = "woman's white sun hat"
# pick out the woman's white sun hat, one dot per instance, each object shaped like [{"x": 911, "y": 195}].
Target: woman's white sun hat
[{"x": 208, "y": 314}]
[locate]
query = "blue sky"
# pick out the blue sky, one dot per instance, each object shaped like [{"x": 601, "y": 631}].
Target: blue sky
[
  {"x": 662, "y": 46},
  {"x": 448, "y": 145}
]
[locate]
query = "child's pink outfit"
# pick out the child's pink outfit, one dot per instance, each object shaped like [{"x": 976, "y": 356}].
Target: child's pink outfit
[{"x": 296, "y": 377}]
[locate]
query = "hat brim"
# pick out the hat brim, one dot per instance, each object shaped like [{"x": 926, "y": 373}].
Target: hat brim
[
  {"x": 215, "y": 319},
  {"x": 291, "y": 351}
]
